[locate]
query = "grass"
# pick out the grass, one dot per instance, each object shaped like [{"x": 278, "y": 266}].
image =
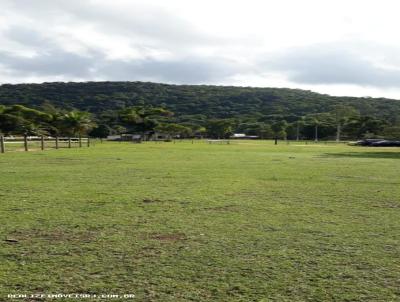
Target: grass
[{"x": 248, "y": 221}]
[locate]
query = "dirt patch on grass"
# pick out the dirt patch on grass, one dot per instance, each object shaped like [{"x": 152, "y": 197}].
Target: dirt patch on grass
[
  {"x": 152, "y": 200},
  {"x": 169, "y": 237},
  {"x": 55, "y": 235},
  {"x": 227, "y": 208},
  {"x": 160, "y": 201}
]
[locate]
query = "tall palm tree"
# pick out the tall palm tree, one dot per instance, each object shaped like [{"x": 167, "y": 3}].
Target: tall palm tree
[
  {"x": 316, "y": 124},
  {"x": 342, "y": 114},
  {"x": 76, "y": 123},
  {"x": 299, "y": 124}
]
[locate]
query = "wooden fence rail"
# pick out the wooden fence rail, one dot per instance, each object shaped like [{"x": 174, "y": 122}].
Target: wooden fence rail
[{"x": 43, "y": 142}]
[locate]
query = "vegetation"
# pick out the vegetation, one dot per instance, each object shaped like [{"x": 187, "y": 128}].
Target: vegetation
[
  {"x": 121, "y": 107},
  {"x": 248, "y": 221}
]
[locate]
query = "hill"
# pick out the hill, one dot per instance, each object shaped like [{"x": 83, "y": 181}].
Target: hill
[{"x": 208, "y": 101}]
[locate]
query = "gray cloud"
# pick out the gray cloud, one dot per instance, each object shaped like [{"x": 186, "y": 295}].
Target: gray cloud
[
  {"x": 146, "y": 28},
  {"x": 52, "y": 63},
  {"x": 52, "y": 60},
  {"x": 333, "y": 64},
  {"x": 145, "y": 23},
  {"x": 137, "y": 41},
  {"x": 190, "y": 70}
]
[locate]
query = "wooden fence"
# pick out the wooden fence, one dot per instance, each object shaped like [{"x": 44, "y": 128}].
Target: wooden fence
[{"x": 27, "y": 143}]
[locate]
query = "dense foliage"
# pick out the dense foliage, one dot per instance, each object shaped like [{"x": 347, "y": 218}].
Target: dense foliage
[{"x": 120, "y": 107}]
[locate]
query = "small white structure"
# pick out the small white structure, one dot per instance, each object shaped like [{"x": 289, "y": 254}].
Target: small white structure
[
  {"x": 244, "y": 136},
  {"x": 124, "y": 137},
  {"x": 238, "y": 135}
]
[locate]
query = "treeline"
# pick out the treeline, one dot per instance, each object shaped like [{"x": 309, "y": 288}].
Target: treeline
[
  {"x": 21, "y": 120},
  {"x": 341, "y": 122},
  {"x": 187, "y": 110}
]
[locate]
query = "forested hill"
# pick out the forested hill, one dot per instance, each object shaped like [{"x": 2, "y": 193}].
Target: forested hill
[{"x": 189, "y": 100}]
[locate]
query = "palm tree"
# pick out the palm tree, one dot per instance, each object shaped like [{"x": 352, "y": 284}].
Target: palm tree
[
  {"x": 342, "y": 114},
  {"x": 316, "y": 124},
  {"x": 76, "y": 123},
  {"x": 299, "y": 124},
  {"x": 316, "y": 120}
]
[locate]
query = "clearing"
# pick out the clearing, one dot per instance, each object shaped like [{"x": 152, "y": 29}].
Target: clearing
[{"x": 248, "y": 221}]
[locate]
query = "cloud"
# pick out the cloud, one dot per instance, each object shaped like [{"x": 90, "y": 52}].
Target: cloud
[
  {"x": 206, "y": 42},
  {"x": 45, "y": 57},
  {"x": 141, "y": 24},
  {"x": 53, "y": 63},
  {"x": 92, "y": 42},
  {"x": 186, "y": 70},
  {"x": 51, "y": 59},
  {"x": 336, "y": 63}
]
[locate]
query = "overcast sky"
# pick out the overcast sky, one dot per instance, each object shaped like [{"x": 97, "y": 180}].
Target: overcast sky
[{"x": 337, "y": 47}]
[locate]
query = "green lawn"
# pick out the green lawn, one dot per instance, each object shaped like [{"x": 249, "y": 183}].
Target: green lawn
[{"x": 248, "y": 221}]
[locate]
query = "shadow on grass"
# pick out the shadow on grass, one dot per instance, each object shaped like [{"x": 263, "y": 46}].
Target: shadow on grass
[{"x": 390, "y": 155}]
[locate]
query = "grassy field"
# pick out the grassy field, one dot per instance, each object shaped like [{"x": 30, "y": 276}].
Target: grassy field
[{"x": 248, "y": 221}]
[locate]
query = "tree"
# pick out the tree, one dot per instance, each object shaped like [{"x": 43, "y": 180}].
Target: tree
[
  {"x": 219, "y": 128},
  {"x": 18, "y": 119},
  {"x": 173, "y": 130},
  {"x": 316, "y": 123},
  {"x": 279, "y": 129},
  {"x": 392, "y": 132},
  {"x": 118, "y": 129},
  {"x": 266, "y": 131},
  {"x": 142, "y": 118},
  {"x": 101, "y": 131},
  {"x": 259, "y": 129},
  {"x": 342, "y": 114},
  {"x": 319, "y": 125},
  {"x": 11, "y": 124},
  {"x": 76, "y": 123},
  {"x": 198, "y": 130},
  {"x": 299, "y": 125},
  {"x": 365, "y": 127},
  {"x": 189, "y": 102}
]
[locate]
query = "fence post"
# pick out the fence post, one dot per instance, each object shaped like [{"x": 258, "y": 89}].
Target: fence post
[
  {"x": 69, "y": 142},
  {"x": 26, "y": 142},
  {"x": 88, "y": 141},
  {"x": 2, "y": 145},
  {"x": 80, "y": 141},
  {"x": 42, "y": 142},
  {"x": 56, "y": 142}
]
